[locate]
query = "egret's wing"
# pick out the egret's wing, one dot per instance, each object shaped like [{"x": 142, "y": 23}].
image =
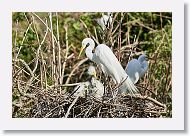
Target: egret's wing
[
  {"x": 103, "y": 69},
  {"x": 133, "y": 69},
  {"x": 106, "y": 72},
  {"x": 105, "y": 56}
]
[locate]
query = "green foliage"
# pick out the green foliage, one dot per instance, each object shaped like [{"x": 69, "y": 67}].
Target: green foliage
[
  {"x": 18, "y": 16},
  {"x": 152, "y": 29}
]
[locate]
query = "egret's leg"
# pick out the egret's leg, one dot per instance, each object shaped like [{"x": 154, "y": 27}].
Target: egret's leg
[{"x": 104, "y": 83}]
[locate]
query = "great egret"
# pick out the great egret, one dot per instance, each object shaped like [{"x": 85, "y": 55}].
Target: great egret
[
  {"x": 93, "y": 87},
  {"x": 137, "y": 68},
  {"x": 104, "y": 57},
  {"x": 105, "y": 21}
]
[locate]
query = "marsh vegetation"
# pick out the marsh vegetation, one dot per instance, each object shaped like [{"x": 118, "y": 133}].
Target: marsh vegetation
[{"x": 46, "y": 67}]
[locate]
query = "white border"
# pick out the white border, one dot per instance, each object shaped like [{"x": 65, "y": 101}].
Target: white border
[{"x": 174, "y": 123}]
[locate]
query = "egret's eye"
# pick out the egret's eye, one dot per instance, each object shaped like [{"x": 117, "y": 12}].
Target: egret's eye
[{"x": 87, "y": 44}]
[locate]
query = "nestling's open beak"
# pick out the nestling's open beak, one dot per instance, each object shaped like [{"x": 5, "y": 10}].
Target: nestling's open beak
[{"x": 82, "y": 48}]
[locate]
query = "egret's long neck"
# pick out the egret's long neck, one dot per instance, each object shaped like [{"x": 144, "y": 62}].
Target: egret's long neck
[
  {"x": 89, "y": 53},
  {"x": 144, "y": 63},
  {"x": 144, "y": 67}
]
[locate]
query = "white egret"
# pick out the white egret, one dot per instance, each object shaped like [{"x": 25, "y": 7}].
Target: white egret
[
  {"x": 137, "y": 68},
  {"x": 105, "y": 21},
  {"x": 93, "y": 87},
  {"x": 109, "y": 64}
]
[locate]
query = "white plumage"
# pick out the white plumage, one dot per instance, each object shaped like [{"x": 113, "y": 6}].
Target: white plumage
[
  {"x": 81, "y": 89},
  {"x": 110, "y": 65},
  {"x": 93, "y": 87},
  {"x": 105, "y": 21},
  {"x": 137, "y": 68}
]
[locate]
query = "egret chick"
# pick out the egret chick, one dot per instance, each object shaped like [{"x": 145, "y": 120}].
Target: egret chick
[
  {"x": 104, "y": 57},
  {"x": 93, "y": 87},
  {"x": 97, "y": 88},
  {"x": 105, "y": 21},
  {"x": 81, "y": 89},
  {"x": 137, "y": 68}
]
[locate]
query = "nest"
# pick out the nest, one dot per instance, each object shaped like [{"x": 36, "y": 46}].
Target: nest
[{"x": 123, "y": 106}]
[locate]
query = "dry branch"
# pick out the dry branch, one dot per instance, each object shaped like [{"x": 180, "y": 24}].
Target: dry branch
[{"x": 76, "y": 66}]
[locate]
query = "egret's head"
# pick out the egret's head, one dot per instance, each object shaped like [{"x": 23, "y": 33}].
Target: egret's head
[
  {"x": 143, "y": 58},
  {"x": 87, "y": 42},
  {"x": 92, "y": 71}
]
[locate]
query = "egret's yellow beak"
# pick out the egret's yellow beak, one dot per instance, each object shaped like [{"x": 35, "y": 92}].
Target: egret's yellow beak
[
  {"x": 94, "y": 74},
  {"x": 82, "y": 48}
]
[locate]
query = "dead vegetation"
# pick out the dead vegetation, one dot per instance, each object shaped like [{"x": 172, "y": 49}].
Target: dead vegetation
[{"x": 46, "y": 67}]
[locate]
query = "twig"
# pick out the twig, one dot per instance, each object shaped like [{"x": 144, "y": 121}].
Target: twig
[
  {"x": 88, "y": 110},
  {"x": 23, "y": 93},
  {"x": 19, "y": 105},
  {"x": 72, "y": 104},
  {"x": 39, "y": 48},
  {"x": 148, "y": 98},
  {"x": 53, "y": 50},
  {"x": 66, "y": 53},
  {"x": 50, "y": 112},
  {"x": 74, "y": 84},
  {"x": 89, "y": 33},
  {"x": 25, "y": 33},
  {"x": 155, "y": 112},
  {"x": 130, "y": 46},
  {"x": 59, "y": 51},
  {"x": 27, "y": 66},
  {"x": 75, "y": 68},
  {"x": 45, "y": 25}
]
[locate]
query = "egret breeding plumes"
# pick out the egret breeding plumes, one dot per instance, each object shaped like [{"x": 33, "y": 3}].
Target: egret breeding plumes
[
  {"x": 104, "y": 57},
  {"x": 92, "y": 87},
  {"x": 105, "y": 21},
  {"x": 137, "y": 68}
]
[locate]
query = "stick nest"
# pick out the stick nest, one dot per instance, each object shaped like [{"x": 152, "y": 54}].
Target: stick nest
[{"x": 122, "y": 106}]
